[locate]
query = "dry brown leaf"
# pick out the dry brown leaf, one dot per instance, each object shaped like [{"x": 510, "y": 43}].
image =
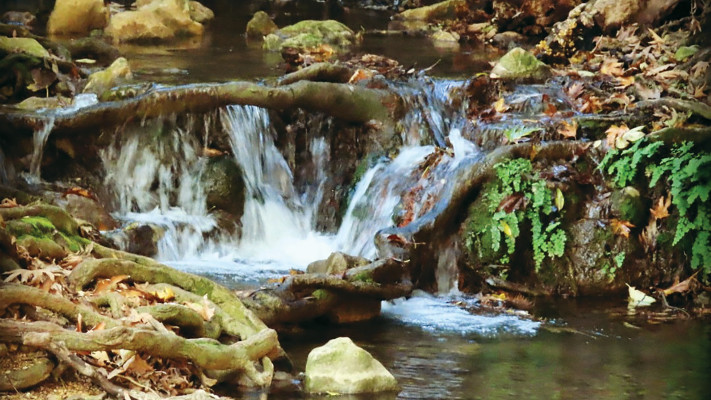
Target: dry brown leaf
[
  {"x": 79, "y": 323},
  {"x": 512, "y": 203},
  {"x": 681, "y": 287},
  {"x": 625, "y": 81},
  {"x": 648, "y": 237},
  {"x": 550, "y": 109},
  {"x": 205, "y": 310},
  {"x": 568, "y": 130},
  {"x": 77, "y": 191},
  {"x": 104, "y": 285},
  {"x": 612, "y": 67},
  {"x": 656, "y": 39},
  {"x": 615, "y": 131},
  {"x": 138, "y": 365},
  {"x": 661, "y": 208},
  {"x": 360, "y": 75},
  {"x": 575, "y": 90},
  {"x": 621, "y": 228},
  {"x": 98, "y": 327}
]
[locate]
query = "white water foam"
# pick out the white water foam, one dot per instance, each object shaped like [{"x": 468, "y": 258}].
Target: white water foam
[{"x": 438, "y": 314}]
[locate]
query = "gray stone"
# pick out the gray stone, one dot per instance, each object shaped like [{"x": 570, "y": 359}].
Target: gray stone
[
  {"x": 224, "y": 185},
  {"x": 341, "y": 367},
  {"x": 260, "y": 25}
]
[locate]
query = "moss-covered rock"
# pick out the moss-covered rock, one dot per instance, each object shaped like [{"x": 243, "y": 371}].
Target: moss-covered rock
[
  {"x": 154, "y": 20},
  {"x": 27, "y": 46},
  {"x": 336, "y": 263},
  {"x": 310, "y": 34},
  {"x": 224, "y": 185},
  {"x": 436, "y": 12},
  {"x": 260, "y": 25},
  {"x": 518, "y": 64},
  {"x": 116, "y": 73},
  {"x": 341, "y": 367}
]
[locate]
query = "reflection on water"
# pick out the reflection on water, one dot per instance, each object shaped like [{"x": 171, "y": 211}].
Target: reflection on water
[{"x": 608, "y": 361}]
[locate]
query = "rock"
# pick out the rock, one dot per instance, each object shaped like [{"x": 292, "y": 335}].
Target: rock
[
  {"x": 154, "y": 20},
  {"x": 77, "y": 16},
  {"x": 310, "y": 34},
  {"x": 530, "y": 15},
  {"x": 435, "y": 12},
  {"x": 101, "y": 81},
  {"x": 22, "y": 18},
  {"x": 224, "y": 185},
  {"x": 260, "y": 25},
  {"x": 442, "y": 38},
  {"x": 354, "y": 309},
  {"x": 22, "y": 45},
  {"x": 141, "y": 239},
  {"x": 508, "y": 39},
  {"x": 37, "y": 103},
  {"x": 628, "y": 205},
  {"x": 518, "y": 64},
  {"x": 341, "y": 367},
  {"x": 612, "y": 14},
  {"x": 87, "y": 209},
  {"x": 336, "y": 263},
  {"x": 200, "y": 13}
]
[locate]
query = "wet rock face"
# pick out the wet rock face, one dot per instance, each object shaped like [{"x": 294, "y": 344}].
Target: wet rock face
[
  {"x": 77, "y": 16},
  {"x": 518, "y": 14},
  {"x": 224, "y": 185},
  {"x": 341, "y": 367}
]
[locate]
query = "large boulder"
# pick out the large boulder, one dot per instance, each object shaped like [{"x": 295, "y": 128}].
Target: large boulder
[
  {"x": 341, "y": 367},
  {"x": 612, "y": 14},
  {"x": 224, "y": 185},
  {"x": 77, "y": 16},
  {"x": 445, "y": 10},
  {"x": 156, "y": 20},
  {"x": 260, "y": 25},
  {"x": 336, "y": 263},
  {"x": 518, "y": 64}
]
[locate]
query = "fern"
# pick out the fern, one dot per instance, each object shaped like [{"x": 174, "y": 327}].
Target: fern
[{"x": 687, "y": 173}]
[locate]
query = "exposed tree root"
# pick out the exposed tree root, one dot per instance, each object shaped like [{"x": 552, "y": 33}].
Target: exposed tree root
[
  {"x": 27, "y": 376},
  {"x": 319, "y": 72},
  {"x": 204, "y": 353},
  {"x": 347, "y": 102}
]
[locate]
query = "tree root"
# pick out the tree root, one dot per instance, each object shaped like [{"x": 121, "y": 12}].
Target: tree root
[
  {"x": 57, "y": 216},
  {"x": 346, "y": 102},
  {"x": 696, "y": 107},
  {"x": 29, "y": 376},
  {"x": 204, "y": 353},
  {"x": 319, "y": 72},
  {"x": 191, "y": 324},
  {"x": 143, "y": 269}
]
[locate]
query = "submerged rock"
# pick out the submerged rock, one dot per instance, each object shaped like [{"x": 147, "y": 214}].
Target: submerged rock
[
  {"x": 518, "y": 64},
  {"x": 156, "y": 20},
  {"x": 260, "y": 25},
  {"x": 77, "y": 16},
  {"x": 310, "y": 34},
  {"x": 341, "y": 367}
]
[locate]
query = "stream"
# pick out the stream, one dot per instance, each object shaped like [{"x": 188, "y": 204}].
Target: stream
[{"x": 437, "y": 346}]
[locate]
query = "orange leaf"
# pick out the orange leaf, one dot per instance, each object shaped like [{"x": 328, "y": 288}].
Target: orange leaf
[
  {"x": 613, "y": 132},
  {"x": 500, "y": 106},
  {"x": 109, "y": 283},
  {"x": 621, "y": 228},
  {"x": 661, "y": 209},
  {"x": 681, "y": 287},
  {"x": 550, "y": 110},
  {"x": 398, "y": 239},
  {"x": 77, "y": 191},
  {"x": 139, "y": 365},
  {"x": 78, "y": 323},
  {"x": 568, "y": 130},
  {"x": 99, "y": 327},
  {"x": 360, "y": 75}
]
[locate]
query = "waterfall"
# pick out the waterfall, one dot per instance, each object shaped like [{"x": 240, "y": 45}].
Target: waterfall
[
  {"x": 277, "y": 227},
  {"x": 39, "y": 140}
]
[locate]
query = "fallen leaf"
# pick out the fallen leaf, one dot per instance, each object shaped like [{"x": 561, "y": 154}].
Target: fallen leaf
[
  {"x": 612, "y": 67},
  {"x": 550, "y": 109},
  {"x": 638, "y": 298},
  {"x": 205, "y": 310},
  {"x": 506, "y": 228},
  {"x": 661, "y": 208},
  {"x": 568, "y": 131},
  {"x": 500, "y": 106},
  {"x": 512, "y": 203},
  {"x": 559, "y": 199},
  {"x": 360, "y": 75},
  {"x": 164, "y": 294},
  {"x": 621, "y": 228},
  {"x": 681, "y": 287},
  {"x": 613, "y": 132},
  {"x": 104, "y": 285},
  {"x": 575, "y": 90},
  {"x": 138, "y": 365},
  {"x": 656, "y": 39},
  {"x": 77, "y": 191},
  {"x": 101, "y": 356},
  {"x": 8, "y": 203},
  {"x": 397, "y": 239}
]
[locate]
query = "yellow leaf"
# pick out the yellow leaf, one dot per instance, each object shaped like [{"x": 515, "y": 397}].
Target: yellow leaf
[
  {"x": 108, "y": 284},
  {"x": 625, "y": 81},
  {"x": 638, "y": 298},
  {"x": 613, "y": 132},
  {"x": 164, "y": 294},
  {"x": 506, "y": 228},
  {"x": 559, "y": 199},
  {"x": 612, "y": 67},
  {"x": 205, "y": 310},
  {"x": 500, "y": 106}
]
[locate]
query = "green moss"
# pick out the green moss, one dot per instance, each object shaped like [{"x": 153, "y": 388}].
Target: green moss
[
  {"x": 320, "y": 294},
  {"x": 363, "y": 277}
]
